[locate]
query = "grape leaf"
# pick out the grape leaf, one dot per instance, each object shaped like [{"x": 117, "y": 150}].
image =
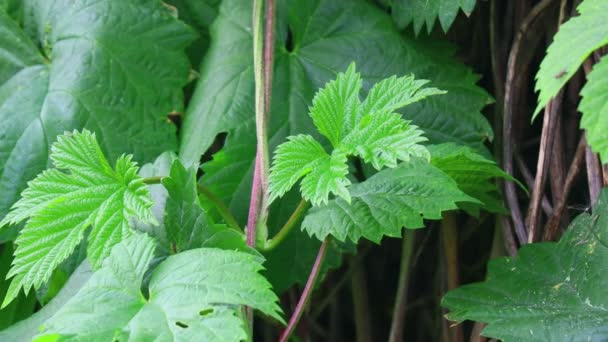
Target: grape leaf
[
  {"x": 192, "y": 296},
  {"x": 549, "y": 291},
  {"x": 594, "y": 107},
  {"x": 573, "y": 43},
  {"x": 373, "y": 132},
  {"x": 421, "y": 12},
  {"x": 475, "y": 175},
  {"x": 62, "y": 205},
  {"x": 116, "y": 68},
  {"x": 387, "y": 202}
]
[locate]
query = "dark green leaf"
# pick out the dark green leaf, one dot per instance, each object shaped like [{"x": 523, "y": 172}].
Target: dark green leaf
[
  {"x": 549, "y": 291},
  {"x": 387, "y": 202},
  {"x": 116, "y": 68}
]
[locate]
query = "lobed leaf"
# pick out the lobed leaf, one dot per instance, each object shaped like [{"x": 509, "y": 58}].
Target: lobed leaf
[
  {"x": 192, "y": 297},
  {"x": 116, "y": 68},
  {"x": 373, "y": 132},
  {"x": 421, "y": 12},
  {"x": 82, "y": 192},
  {"x": 386, "y": 202},
  {"x": 475, "y": 175},
  {"x": 335, "y": 107},
  {"x": 549, "y": 291}
]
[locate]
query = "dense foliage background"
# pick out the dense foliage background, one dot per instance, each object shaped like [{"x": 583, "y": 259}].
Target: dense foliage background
[{"x": 515, "y": 116}]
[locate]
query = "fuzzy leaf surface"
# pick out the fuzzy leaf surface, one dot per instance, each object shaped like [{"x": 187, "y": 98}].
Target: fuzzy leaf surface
[
  {"x": 115, "y": 68},
  {"x": 594, "y": 107},
  {"x": 192, "y": 297},
  {"x": 549, "y": 291},
  {"x": 421, "y": 12},
  {"x": 61, "y": 203},
  {"x": 386, "y": 202},
  {"x": 573, "y": 43}
]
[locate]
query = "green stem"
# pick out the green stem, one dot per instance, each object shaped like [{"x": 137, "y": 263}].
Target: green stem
[
  {"x": 221, "y": 207},
  {"x": 287, "y": 227},
  {"x": 153, "y": 180}
]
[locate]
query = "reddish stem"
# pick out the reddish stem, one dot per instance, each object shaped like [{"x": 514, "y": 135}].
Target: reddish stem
[{"x": 305, "y": 296}]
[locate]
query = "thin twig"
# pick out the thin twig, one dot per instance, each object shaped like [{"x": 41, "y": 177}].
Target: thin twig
[
  {"x": 399, "y": 310},
  {"x": 594, "y": 175},
  {"x": 306, "y": 294},
  {"x": 529, "y": 179},
  {"x": 544, "y": 156},
  {"x": 449, "y": 241},
  {"x": 512, "y": 83},
  {"x": 551, "y": 228}
]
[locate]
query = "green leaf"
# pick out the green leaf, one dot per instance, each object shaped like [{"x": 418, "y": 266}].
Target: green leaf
[
  {"x": 115, "y": 68},
  {"x": 475, "y": 175},
  {"x": 384, "y": 138},
  {"x": 373, "y": 132},
  {"x": 296, "y": 158},
  {"x": 192, "y": 296},
  {"x": 594, "y": 107},
  {"x": 573, "y": 43},
  {"x": 26, "y": 329},
  {"x": 186, "y": 223},
  {"x": 335, "y": 107},
  {"x": 61, "y": 203},
  {"x": 317, "y": 57},
  {"x": 326, "y": 36},
  {"x": 549, "y": 291},
  {"x": 420, "y": 12},
  {"x": 387, "y": 202}
]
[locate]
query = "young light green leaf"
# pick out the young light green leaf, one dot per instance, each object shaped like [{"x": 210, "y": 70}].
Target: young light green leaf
[
  {"x": 82, "y": 192},
  {"x": 384, "y": 138},
  {"x": 193, "y": 296},
  {"x": 549, "y": 291},
  {"x": 594, "y": 107},
  {"x": 387, "y": 202},
  {"x": 371, "y": 131},
  {"x": 294, "y": 159},
  {"x": 395, "y": 92},
  {"x": 421, "y": 12},
  {"x": 335, "y": 107},
  {"x": 573, "y": 43},
  {"x": 475, "y": 175}
]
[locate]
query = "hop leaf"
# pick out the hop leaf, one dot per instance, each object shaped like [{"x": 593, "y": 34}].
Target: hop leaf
[
  {"x": 370, "y": 130},
  {"x": 194, "y": 296},
  {"x": 82, "y": 191},
  {"x": 549, "y": 291}
]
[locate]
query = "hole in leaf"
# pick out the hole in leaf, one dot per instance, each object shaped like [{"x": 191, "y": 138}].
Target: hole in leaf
[
  {"x": 181, "y": 325},
  {"x": 289, "y": 40},
  {"x": 206, "y": 312}
]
